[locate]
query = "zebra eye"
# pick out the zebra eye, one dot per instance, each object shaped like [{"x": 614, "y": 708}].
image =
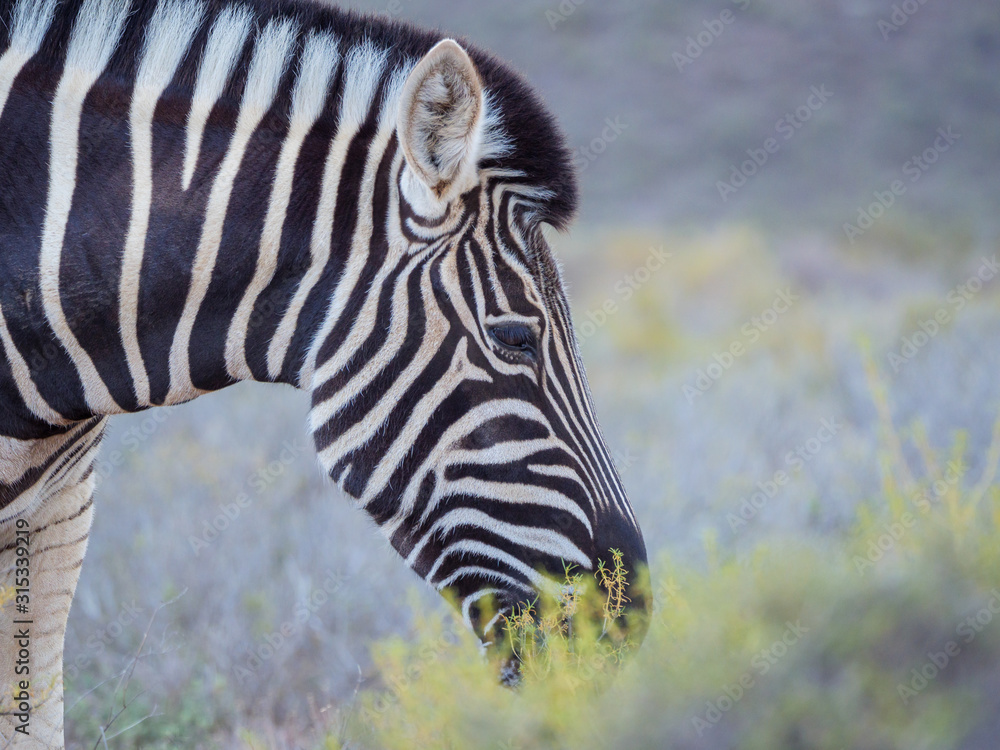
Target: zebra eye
[{"x": 517, "y": 337}]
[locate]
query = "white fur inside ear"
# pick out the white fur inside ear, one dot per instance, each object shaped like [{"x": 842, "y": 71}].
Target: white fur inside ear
[
  {"x": 420, "y": 198},
  {"x": 440, "y": 120}
]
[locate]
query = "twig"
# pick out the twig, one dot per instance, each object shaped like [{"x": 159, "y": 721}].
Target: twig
[{"x": 125, "y": 679}]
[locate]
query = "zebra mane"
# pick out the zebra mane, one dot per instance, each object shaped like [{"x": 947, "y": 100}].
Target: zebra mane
[{"x": 521, "y": 136}]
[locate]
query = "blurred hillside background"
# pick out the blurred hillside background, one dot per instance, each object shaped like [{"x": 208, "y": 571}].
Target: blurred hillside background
[{"x": 737, "y": 366}]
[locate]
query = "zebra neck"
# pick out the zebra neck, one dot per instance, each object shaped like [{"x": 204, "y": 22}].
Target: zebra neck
[
  {"x": 303, "y": 184},
  {"x": 193, "y": 235},
  {"x": 298, "y": 179}
]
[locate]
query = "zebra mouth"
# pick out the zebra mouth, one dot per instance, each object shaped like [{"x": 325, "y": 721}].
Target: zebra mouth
[
  {"x": 525, "y": 632},
  {"x": 510, "y": 672}
]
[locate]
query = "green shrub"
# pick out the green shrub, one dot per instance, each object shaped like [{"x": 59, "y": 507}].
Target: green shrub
[{"x": 883, "y": 636}]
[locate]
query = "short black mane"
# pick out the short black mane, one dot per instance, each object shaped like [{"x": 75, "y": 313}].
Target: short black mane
[{"x": 538, "y": 145}]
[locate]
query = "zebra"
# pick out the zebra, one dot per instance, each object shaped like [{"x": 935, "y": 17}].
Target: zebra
[{"x": 195, "y": 193}]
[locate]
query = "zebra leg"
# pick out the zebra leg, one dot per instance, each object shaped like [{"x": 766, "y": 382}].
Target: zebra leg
[{"x": 31, "y": 641}]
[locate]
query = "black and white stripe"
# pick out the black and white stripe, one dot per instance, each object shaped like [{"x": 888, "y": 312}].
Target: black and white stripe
[{"x": 198, "y": 192}]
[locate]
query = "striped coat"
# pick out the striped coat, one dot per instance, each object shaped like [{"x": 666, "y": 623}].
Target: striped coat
[{"x": 195, "y": 193}]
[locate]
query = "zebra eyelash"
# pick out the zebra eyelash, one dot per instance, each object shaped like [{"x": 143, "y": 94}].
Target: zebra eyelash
[{"x": 515, "y": 338}]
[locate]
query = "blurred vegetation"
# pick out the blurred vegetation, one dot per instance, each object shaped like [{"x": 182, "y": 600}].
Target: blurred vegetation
[
  {"x": 892, "y": 90},
  {"x": 366, "y": 671},
  {"x": 887, "y": 636},
  {"x": 915, "y": 445}
]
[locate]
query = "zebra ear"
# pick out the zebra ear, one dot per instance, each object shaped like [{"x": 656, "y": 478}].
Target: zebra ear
[{"x": 440, "y": 110}]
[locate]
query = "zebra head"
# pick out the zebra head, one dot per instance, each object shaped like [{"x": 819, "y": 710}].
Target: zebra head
[{"x": 449, "y": 397}]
